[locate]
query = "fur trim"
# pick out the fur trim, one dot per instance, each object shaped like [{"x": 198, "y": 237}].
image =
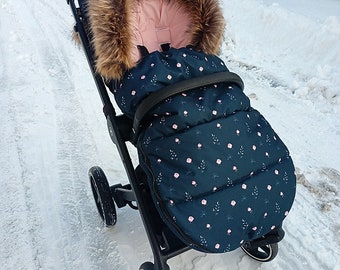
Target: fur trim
[
  {"x": 110, "y": 24},
  {"x": 208, "y": 24}
]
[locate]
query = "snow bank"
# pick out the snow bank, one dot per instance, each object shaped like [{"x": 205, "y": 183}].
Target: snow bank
[{"x": 300, "y": 52}]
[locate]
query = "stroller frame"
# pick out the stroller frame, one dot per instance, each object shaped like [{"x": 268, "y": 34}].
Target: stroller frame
[{"x": 164, "y": 244}]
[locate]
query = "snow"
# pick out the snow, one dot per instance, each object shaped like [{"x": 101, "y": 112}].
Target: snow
[{"x": 52, "y": 131}]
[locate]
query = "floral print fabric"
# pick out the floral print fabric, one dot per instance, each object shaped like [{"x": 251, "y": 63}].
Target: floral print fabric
[{"x": 218, "y": 172}]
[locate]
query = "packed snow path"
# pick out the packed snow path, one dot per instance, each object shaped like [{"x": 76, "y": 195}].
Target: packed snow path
[{"x": 52, "y": 131}]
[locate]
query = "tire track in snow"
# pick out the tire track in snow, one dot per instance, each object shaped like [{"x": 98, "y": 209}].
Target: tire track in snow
[
  {"x": 58, "y": 230},
  {"x": 18, "y": 213},
  {"x": 76, "y": 148},
  {"x": 84, "y": 246}
]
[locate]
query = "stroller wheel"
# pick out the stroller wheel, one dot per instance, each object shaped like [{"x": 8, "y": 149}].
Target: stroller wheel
[
  {"x": 147, "y": 266},
  {"x": 102, "y": 196},
  {"x": 263, "y": 254}
]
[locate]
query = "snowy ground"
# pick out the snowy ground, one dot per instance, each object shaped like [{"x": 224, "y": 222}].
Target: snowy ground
[{"x": 52, "y": 131}]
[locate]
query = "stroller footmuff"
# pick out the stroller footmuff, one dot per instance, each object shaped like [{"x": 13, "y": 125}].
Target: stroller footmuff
[
  {"x": 213, "y": 175},
  {"x": 220, "y": 176}
]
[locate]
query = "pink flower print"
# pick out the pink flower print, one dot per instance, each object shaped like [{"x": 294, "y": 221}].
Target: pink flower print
[
  {"x": 233, "y": 203},
  {"x": 269, "y": 187},
  {"x": 244, "y": 186},
  {"x": 176, "y": 175},
  {"x": 218, "y": 161},
  {"x": 249, "y": 210},
  {"x": 214, "y": 112},
  {"x": 229, "y": 232},
  {"x": 276, "y": 172},
  {"x": 179, "y": 65},
  {"x": 142, "y": 77},
  {"x": 230, "y": 145},
  {"x": 174, "y": 126},
  {"x": 208, "y": 226},
  {"x": 217, "y": 246},
  {"x": 254, "y": 147},
  {"x": 133, "y": 92},
  {"x": 273, "y": 227},
  {"x": 201, "y": 69},
  {"x": 204, "y": 202},
  {"x": 194, "y": 183},
  {"x": 191, "y": 219},
  {"x": 199, "y": 146},
  {"x": 189, "y": 160},
  {"x": 169, "y": 77},
  {"x": 254, "y": 228}
]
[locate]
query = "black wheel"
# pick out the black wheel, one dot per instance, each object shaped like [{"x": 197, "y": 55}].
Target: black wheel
[
  {"x": 102, "y": 196},
  {"x": 147, "y": 266},
  {"x": 263, "y": 254}
]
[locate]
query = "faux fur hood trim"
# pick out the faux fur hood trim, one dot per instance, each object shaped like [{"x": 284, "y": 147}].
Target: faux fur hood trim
[{"x": 110, "y": 24}]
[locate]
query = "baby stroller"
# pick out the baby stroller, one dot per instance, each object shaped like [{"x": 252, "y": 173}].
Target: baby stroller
[{"x": 213, "y": 195}]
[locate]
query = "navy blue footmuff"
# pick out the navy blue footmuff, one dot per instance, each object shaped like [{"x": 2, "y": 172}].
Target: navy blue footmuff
[{"x": 219, "y": 174}]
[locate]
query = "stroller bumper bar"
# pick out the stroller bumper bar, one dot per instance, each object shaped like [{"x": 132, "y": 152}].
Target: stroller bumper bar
[{"x": 177, "y": 88}]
